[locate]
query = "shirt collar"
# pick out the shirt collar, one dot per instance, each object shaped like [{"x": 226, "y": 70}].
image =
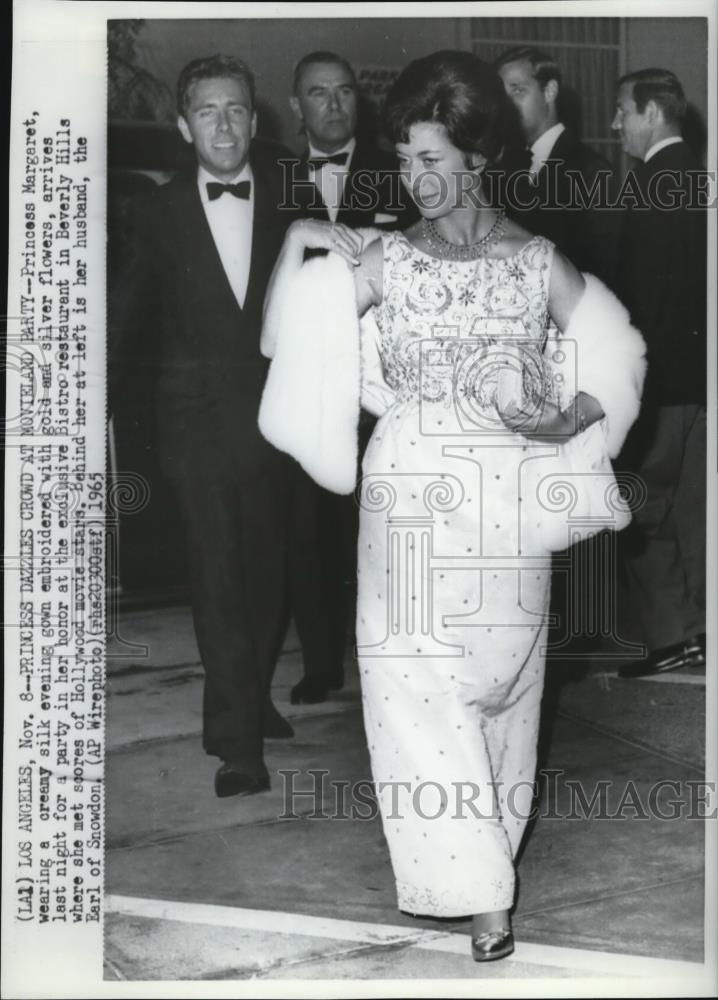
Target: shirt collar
[
  {"x": 204, "y": 177},
  {"x": 541, "y": 149},
  {"x": 661, "y": 145},
  {"x": 348, "y": 148}
]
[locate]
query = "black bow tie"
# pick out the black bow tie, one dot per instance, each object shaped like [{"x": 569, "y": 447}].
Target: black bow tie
[
  {"x": 319, "y": 161},
  {"x": 240, "y": 190}
]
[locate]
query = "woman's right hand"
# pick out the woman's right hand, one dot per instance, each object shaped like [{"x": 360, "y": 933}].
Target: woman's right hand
[{"x": 313, "y": 234}]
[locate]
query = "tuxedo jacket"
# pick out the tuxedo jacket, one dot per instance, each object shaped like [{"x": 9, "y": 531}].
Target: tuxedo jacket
[
  {"x": 210, "y": 369},
  {"x": 663, "y": 277},
  {"x": 587, "y": 236},
  {"x": 372, "y": 186}
]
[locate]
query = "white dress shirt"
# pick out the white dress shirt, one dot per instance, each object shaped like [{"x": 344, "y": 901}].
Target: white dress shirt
[
  {"x": 661, "y": 145},
  {"x": 331, "y": 178},
  {"x": 541, "y": 149},
  {"x": 231, "y": 220}
]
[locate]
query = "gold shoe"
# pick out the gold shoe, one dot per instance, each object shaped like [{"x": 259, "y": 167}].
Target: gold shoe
[{"x": 490, "y": 945}]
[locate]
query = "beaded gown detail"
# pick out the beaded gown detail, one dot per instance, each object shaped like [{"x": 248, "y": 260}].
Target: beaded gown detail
[{"x": 453, "y": 578}]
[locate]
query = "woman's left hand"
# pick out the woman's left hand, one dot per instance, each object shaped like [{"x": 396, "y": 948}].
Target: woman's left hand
[{"x": 539, "y": 419}]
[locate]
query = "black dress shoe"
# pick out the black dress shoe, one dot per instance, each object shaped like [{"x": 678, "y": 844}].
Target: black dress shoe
[
  {"x": 308, "y": 692},
  {"x": 274, "y": 725},
  {"x": 231, "y": 780},
  {"x": 687, "y": 653},
  {"x": 490, "y": 945}
]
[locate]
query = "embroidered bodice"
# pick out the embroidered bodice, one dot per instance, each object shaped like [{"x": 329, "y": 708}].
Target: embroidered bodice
[{"x": 447, "y": 327}]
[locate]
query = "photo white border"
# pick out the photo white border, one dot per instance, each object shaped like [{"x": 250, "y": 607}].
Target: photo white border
[{"x": 40, "y": 969}]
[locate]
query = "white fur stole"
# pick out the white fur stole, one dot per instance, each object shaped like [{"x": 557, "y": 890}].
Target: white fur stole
[{"x": 310, "y": 405}]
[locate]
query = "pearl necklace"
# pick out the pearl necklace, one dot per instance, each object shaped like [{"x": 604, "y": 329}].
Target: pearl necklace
[{"x": 458, "y": 251}]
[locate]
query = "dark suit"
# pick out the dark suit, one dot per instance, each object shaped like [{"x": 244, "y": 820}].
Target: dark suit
[
  {"x": 324, "y": 538},
  {"x": 587, "y": 236},
  {"x": 663, "y": 279},
  {"x": 663, "y": 283},
  {"x": 230, "y": 482}
]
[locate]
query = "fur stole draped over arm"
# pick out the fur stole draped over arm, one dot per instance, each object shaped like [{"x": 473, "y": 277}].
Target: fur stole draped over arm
[
  {"x": 326, "y": 363},
  {"x": 310, "y": 405},
  {"x": 601, "y": 354}
]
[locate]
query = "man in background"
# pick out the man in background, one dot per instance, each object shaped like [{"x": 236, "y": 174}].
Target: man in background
[
  {"x": 663, "y": 283},
  {"x": 345, "y": 178},
  {"x": 563, "y": 170},
  {"x": 342, "y": 177}
]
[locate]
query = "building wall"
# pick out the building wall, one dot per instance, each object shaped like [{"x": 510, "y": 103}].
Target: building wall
[
  {"x": 676, "y": 43},
  {"x": 272, "y": 47}
]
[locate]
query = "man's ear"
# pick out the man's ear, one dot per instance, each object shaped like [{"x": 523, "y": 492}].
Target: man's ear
[
  {"x": 550, "y": 91},
  {"x": 254, "y": 124},
  {"x": 184, "y": 128},
  {"x": 653, "y": 113},
  {"x": 296, "y": 108}
]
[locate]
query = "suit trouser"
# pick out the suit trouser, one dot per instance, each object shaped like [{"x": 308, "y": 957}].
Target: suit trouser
[
  {"x": 236, "y": 534},
  {"x": 308, "y": 594},
  {"x": 664, "y": 550},
  {"x": 322, "y": 570},
  {"x": 324, "y": 529}
]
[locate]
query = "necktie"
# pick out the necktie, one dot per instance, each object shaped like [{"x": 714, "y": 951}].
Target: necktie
[
  {"x": 240, "y": 190},
  {"x": 317, "y": 162}
]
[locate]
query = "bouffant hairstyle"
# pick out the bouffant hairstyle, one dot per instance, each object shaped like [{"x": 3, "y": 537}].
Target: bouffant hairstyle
[
  {"x": 212, "y": 68},
  {"x": 465, "y": 95}
]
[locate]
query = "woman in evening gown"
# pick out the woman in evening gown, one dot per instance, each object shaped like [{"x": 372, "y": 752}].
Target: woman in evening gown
[{"x": 454, "y": 573}]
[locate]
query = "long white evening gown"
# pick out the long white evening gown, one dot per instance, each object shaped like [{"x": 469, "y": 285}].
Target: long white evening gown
[{"x": 453, "y": 580}]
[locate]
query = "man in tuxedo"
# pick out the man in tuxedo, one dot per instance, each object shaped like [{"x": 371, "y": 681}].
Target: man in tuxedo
[
  {"x": 342, "y": 177},
  {"x": 345, "y": 179},
  {"x": 555, "y": 201},
  {"x": 663, "y": 283},
  {"x": 211, "y": 239}
]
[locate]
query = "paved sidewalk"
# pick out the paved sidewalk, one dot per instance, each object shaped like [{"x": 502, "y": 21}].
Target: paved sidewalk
[{"x": 273, "y": 888}]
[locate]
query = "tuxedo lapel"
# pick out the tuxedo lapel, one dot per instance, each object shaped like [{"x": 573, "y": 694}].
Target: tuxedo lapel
[
  {"x": 309, "y": 196},
  {"x": 347, "y": 191},
  {"x": 348, "y": 212},
  {"x": 550, "y": 175},
  {"x": 357, "y": 206},
  {"x": 267, "y": 232},
  {"x": 367, "y": 189},
  {"x": 204, "y": 266},
  {"x": 562, "y": 146}
]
